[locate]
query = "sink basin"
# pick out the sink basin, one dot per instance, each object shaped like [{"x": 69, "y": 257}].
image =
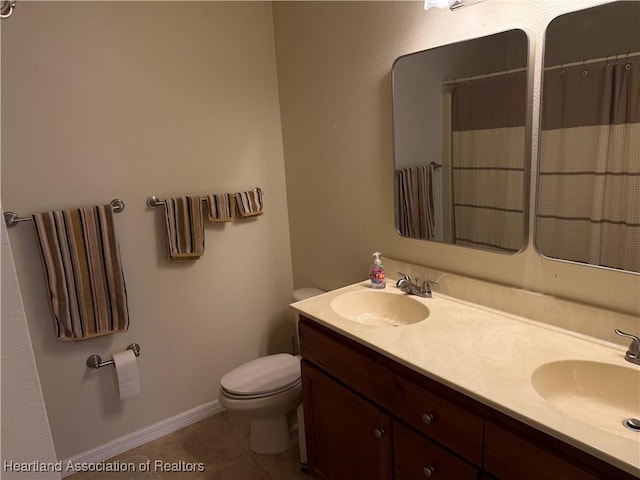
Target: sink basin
[
  {"x": 600, "y": 394},
  {"x": 379, "y": 308}
]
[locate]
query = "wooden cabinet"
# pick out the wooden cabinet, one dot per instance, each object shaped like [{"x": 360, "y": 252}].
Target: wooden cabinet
[
  {"x": 348, "y": 438},
  {"x": 369, "y": 417},
  {"x": 364, "y": 420}
]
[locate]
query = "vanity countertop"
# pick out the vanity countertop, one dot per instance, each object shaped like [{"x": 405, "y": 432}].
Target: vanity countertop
[{"x": 491, "y": 356}]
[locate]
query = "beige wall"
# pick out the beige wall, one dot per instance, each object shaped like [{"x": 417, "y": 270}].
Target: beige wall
[
  {"x": 24, "y": 427},
  {"x": 115, "y": 99},
  {"x": 24, "y": 435},
  {"x": 334, "y": 65}
]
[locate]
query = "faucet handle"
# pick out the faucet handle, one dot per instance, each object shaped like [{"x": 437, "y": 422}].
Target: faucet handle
[
  {"x": 425, "y": 287},
  {"x": 404, "y": 276},
  {"x": 633, "y": 354}
]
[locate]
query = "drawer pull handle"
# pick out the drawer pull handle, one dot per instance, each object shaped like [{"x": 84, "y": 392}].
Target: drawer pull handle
[
  {"x": 429, "y": 472},
  {"x": 428, "y": 418},
  {"x": 378, "y": 432}
]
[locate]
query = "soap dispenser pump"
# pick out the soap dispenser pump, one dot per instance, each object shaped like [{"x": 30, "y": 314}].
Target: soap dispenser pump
[{"x": 377, "y": 274}]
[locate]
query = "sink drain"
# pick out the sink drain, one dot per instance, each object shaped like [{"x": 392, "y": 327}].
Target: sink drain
[{"x": 632, "y": 424}]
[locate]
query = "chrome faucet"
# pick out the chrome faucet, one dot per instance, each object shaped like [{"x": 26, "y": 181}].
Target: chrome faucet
[
  {"x": 407, "y": 286},
  {"x": 633, "y": 354}
]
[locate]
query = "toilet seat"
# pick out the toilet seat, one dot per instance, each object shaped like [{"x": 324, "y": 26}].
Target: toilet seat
[
  {"x": 253, "y": 396},
  {"x": 262, "y": 377}
]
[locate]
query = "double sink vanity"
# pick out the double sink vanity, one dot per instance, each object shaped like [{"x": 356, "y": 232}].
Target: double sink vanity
[
  {"x": 398, "y": 386},
  {"x": 484, "y": 381}
]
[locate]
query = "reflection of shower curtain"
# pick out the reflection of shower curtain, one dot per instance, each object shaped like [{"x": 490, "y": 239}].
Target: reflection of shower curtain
[
  {"x": 588, "y": 207},
  {"x": 487, "y": 155},
  {"x": 415, "y": 202}
]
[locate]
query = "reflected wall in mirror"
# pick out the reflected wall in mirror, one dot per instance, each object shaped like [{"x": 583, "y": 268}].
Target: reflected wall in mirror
[
  {"x": 588, "y": 198},
  {"x": 460, "y": 149}
]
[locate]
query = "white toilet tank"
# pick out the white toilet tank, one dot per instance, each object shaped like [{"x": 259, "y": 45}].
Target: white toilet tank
[{"x": 306, "y": 292}]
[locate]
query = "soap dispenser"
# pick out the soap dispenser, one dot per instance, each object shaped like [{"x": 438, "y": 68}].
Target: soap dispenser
[{"x": 377, "y": 274}]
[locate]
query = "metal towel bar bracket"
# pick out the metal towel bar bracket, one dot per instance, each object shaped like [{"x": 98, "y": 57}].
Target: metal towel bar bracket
[
  {"x": 153, "y": 201},
  {"x": 95, "y": 361},
  {"x": 6, "y": 8},
  {"x": 11, "y": 219}
]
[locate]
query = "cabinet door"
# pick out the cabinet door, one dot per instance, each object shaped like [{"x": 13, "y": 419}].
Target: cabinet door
[{"x": 347, "y": 437}]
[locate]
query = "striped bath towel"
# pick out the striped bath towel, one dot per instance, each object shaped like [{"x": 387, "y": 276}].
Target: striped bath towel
[
  {"x": 414, "y": 187},
  {"x": 220, "y": 207},
  {"x": 249, "y": 203},
  {"x": 185, "y": 227},
  {"x": 83, "y": 272}
]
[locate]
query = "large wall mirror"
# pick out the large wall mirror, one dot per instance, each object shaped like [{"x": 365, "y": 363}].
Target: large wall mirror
[
  {"x": 460, "y": 143},
  {"x": 588, "y": 198}
]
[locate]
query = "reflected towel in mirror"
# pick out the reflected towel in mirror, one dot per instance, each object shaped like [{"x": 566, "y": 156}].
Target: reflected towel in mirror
[{"x": 415, "y": 201}]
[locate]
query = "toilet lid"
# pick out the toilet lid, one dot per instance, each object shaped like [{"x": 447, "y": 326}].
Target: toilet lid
[{"x": 263, "y": 375}]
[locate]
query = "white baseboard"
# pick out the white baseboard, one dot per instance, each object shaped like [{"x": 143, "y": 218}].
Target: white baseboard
[{"x": 140, "y": 437}]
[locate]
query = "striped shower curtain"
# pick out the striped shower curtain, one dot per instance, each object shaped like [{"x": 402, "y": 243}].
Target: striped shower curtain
[
  {"x": 488, "y": 138},
  {"x": 588, "y": 206}
]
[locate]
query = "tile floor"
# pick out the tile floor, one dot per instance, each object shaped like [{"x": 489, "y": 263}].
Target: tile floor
[{"x": 220, "y": 443}]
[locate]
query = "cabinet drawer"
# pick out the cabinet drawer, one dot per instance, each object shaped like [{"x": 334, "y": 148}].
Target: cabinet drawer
[
  {"x": 451, "y": 425},
  {"x": 511, "y": 458},
  {"x": 418, "y": 458},
  {"x": 347, "y": 361}
]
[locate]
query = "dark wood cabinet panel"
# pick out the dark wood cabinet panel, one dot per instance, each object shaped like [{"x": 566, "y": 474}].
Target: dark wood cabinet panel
[
  {"x": 418, "y": 458},
  {"x": 347, "y": 437},
  {"x": 511, "y": 457},
  {"x": 352, "y": 367},
  {"x": 445, "y": 422},
  {"x": 398, "y": 476}
]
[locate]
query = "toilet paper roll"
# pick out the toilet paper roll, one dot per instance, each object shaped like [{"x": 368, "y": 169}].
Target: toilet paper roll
[{"x": 127, "y": 372}]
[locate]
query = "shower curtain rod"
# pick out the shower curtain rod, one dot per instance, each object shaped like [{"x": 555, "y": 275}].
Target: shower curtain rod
[
  {"x": 610, "y": 58},
  {"x": 486, "y": 75}
]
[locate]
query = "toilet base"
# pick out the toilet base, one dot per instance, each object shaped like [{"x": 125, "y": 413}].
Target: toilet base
[
  {"x": 270, "y": 436},
  {"x": 270, "y": 432}
]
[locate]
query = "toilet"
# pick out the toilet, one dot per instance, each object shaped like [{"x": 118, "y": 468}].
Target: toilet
[{"x": 268, "y": 390}]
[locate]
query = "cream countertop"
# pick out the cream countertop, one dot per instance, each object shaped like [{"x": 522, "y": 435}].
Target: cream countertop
[{"x": 490, "y": 356}]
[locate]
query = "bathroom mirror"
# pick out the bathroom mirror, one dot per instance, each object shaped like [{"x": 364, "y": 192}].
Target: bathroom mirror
[
  {"x": 460, "y": 134},
  {"x": 588, "y": 196}
]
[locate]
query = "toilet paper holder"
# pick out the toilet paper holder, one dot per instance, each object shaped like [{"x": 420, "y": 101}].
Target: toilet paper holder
[{"x": 95, "y": 361}]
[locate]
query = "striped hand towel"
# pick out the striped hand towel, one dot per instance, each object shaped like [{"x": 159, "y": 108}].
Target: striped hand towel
[
  {"x": 83, "y": 272},
  {"x": 220, "y": 207},
  {"x": 249, "y": 203},
  {"x": 185, "y": 227}
]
